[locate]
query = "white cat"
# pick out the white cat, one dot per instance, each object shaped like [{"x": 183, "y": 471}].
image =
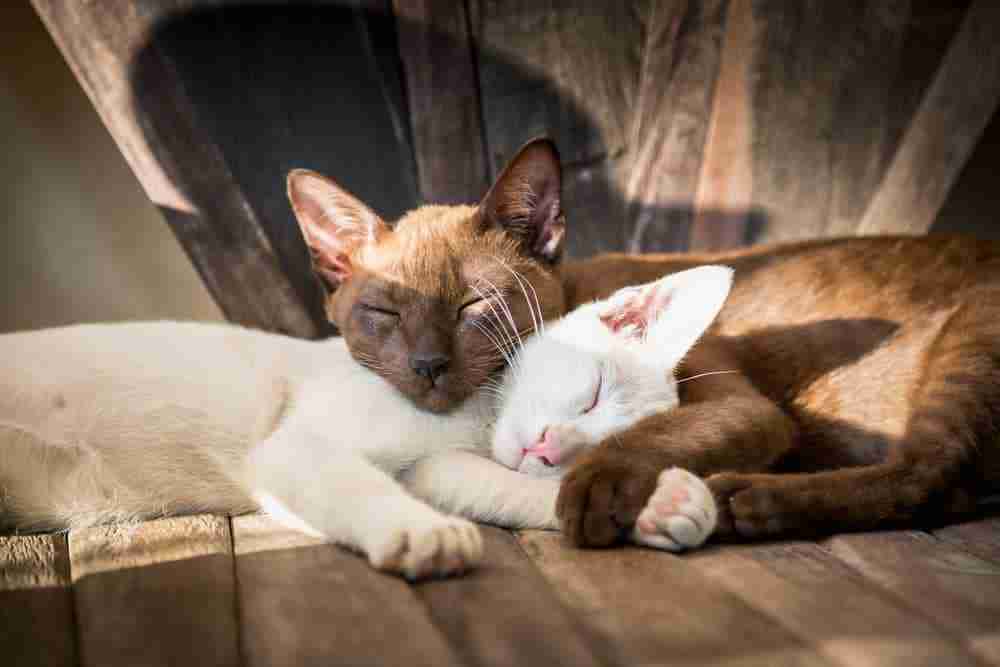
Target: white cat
[
  {"x": 589, "y": 375},
  {"x": 117, "y": 422}
]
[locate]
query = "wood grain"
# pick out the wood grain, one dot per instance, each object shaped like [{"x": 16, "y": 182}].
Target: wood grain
[
  {"x": 723, "y": 202},
  {"x": 505, "y": 613},
  {"x": 36, "y": 603},
  {"x": 829, "y": 606},
  {"x": 950, "y": 120},
  {"x": 956, "y": 589},
  {"x": 539, "y": 73},
  {"x": 303, "y": 602},
  {"x": 981, "y": 537},
  {"x": 657, "y": 609},
  {"x": 443, "y": 100},
  {"x": 183, "y": 170},
  {"x": 669, "y": 124},
  {"x": 155, "y": 593}
]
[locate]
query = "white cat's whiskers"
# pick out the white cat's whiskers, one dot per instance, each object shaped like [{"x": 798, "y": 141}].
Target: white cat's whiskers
[{"x": 701, "y": 375}]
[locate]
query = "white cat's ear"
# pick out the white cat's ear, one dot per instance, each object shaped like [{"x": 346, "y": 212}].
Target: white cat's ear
[
  {"x": 334, "y": 224},
  {"x": 526, "y": 201},
  {"x": 670, "y": 313}
]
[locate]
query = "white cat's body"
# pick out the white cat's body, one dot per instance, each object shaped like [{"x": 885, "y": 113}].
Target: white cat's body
[{"x": 123, "y": 421}]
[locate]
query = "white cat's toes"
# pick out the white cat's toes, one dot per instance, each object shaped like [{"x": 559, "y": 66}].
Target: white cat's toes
[
  {"x": 442, "y": 546},
  {"x": 681, "y": 514}
]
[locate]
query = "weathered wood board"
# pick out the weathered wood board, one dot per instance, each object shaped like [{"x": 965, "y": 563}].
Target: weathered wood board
[
  {"x": 155, "y": 593},
  {"x": 656, "y": 608},
  {"x": 956, "y": 589},
  {"x": 302, "y": 602},
  {"x": 37, "y": 625}
]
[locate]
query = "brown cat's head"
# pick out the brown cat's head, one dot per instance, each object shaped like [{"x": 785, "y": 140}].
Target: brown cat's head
[{"x": 428, "y": 302}]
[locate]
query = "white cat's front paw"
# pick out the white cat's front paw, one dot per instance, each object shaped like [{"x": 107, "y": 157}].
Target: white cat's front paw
[
  {"x": 436, "y": 546},
  {"x": 680, "y": 514}
]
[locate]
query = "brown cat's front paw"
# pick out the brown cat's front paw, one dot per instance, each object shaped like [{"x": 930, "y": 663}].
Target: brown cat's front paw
[{"x": 599, "y": 503}]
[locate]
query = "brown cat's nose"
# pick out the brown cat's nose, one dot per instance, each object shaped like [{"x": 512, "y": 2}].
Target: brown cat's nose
[{"x": 429, "y": 367}]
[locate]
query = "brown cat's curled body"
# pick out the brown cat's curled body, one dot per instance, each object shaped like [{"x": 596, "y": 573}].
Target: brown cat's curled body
[
  {"x": 860, "y": 381},
  {"x": 867, "y": 390}
]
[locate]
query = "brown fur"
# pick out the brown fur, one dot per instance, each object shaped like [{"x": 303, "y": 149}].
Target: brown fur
[
  {"x": 868, "y": 390},
  {"x": 408, "y": 293}
]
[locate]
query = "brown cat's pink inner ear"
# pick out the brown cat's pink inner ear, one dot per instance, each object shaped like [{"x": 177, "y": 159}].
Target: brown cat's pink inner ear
[
  {"x": 334, "y": 224},
  {"x": 526, "y": 201}
]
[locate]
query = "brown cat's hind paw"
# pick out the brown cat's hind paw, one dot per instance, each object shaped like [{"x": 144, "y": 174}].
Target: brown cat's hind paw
[{"x": 749, "y": 507}]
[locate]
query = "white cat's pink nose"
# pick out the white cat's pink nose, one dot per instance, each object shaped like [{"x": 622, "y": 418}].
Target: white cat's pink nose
[{"x": 546, "y": 449}]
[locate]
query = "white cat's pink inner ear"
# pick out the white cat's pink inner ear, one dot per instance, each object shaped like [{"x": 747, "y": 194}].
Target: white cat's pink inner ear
[{"x": 636, "y": 308}]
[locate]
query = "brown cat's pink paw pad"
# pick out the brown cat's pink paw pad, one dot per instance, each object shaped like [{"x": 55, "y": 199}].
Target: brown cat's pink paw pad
[{"x": 680, "y": 514}]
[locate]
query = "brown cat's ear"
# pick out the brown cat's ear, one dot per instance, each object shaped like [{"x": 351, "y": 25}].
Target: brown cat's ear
[
  {"x": 334, "y": 224},
  {"x": 526, "y": 200}
]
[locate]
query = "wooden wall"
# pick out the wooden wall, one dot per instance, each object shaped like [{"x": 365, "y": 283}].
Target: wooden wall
[{"x": 682, "y": 124}]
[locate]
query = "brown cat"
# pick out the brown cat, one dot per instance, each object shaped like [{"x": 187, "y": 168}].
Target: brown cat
[
  {"x": 867, "y": 371},
  {"x": 868, "y": 378},
  {"x": 414, "y": 302}
]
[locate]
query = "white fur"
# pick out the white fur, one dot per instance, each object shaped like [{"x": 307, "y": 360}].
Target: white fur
[
  {"x": 552, "y": 381},
  {"x": 119, "y": 422},
  {"x": 126, "y": 421}
]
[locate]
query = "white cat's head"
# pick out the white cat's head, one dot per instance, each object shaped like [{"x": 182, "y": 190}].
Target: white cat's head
[{"x": 602, "y": 368}]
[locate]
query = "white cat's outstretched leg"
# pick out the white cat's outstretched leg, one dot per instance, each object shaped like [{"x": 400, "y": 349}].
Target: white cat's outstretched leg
[
  {"x": 304, "y": 482},
  {"x": 680, "y": 515}
]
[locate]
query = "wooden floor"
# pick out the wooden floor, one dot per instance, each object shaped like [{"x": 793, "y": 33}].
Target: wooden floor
[{"x": 208, "y": 590}]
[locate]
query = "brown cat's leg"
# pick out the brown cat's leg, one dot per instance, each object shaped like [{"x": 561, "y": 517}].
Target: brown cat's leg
[
  {"x": 931, "y": 474},
  {"x": 740, "y": 429}
]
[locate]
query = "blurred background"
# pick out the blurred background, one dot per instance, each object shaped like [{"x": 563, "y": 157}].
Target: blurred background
[
  {"x": 682, "y": 125},
  {"x": 79, "y": 239}
]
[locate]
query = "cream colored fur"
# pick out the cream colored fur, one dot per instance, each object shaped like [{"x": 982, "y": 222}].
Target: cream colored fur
[{"x": 118, "y": 422}]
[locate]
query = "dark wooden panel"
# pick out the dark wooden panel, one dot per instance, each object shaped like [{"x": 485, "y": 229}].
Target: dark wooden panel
[
  {"x": 679, "y": 64},
  {"x": 952, "y": 116},
  {"x": 956, "y": 589},
  {"x": 828, "y": 605},
  {"x": 303, "y": 602},
  {"x": 155, "y": 593},
  {"x": 724, "y": 204},
  {"x": 443, "y": 99},
  {"x": 36, "y": 604},
  {"x": 540, "y": 73},
  {"x": 658, "y": 609},
  {"x": 803, "y": 59},
  {"x": 505, "y": 613},
  {"x": 181, "y": 168}
]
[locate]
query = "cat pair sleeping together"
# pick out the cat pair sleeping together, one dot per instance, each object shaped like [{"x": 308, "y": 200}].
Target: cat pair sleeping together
[
  {"x": 842, "y": 384},
  {"x": 122, "y": 421}
]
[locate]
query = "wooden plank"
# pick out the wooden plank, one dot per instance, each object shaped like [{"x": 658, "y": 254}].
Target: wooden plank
[
  {"x": 539, "y": 73},
  {"x": 594, "y": 208},
  {"x": 864, "y": 111},
  {"x": 155, "y": 593},
  {"x": 804, "y": 60},
  {"x": 181, "y": 168},
  {"x": 36, "y": 603},
  {"x": 505, "y": 613},
  {"x": 829, "y": 606},
  {"x": 658, "y": 609},
  {"x": 981, "y": 537},
  {"x": 723, "y": 202},
  {"x": 443, "y": 100},
  {"x": 668, "y": 129},
  {"x": 952, "y": 116},
  {"x": 303, "y": 602},
  {"x": 956, "y": 589}
]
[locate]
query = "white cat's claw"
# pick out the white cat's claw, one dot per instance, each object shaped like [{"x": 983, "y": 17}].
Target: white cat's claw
[
  {"x": 439, "y": 546},
  {"x": 681, "y": 514}
]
